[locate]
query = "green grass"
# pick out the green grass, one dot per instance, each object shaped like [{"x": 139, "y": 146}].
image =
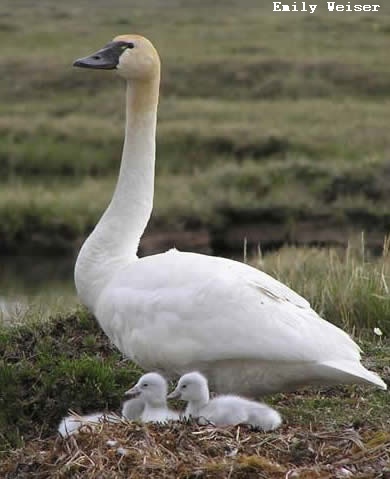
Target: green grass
[
  {"x": 259, "y": 112},
  {"x": 267, "y": 202},
  {"x": 48, "y": 367}
]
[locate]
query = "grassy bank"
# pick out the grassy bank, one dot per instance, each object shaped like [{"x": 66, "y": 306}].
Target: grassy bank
[
  {"x": 272, "y": 204},
  {"x": 66, "y": 362},
  {"x": 50, "y": 366},
  {"x": 265, "y": 120}
]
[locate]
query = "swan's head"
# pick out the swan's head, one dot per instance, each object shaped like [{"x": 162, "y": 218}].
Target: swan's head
[
  {"x": 134, "y": 57},
  {"x": 151, "y": 387},
  {"x": 191, "y": 387}
]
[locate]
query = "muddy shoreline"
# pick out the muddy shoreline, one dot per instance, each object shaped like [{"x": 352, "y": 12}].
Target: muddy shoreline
[
  {"x": 230, "y": 241},
  {"x": 251, "y": 237}
]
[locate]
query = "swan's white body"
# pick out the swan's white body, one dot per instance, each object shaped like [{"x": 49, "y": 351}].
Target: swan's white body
[
  {"x": 176, "y": 312},
  {"x": 152, "y": 389},
  {"x": 222, "y": 410},
  {"x": 72, "y": 424}
]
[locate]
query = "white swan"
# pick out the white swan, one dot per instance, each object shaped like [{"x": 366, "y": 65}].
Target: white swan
[
  {"x": 222, "y": 410},
  {"x": 152, "y": 388},
  {"x": 176, "y": 312}
]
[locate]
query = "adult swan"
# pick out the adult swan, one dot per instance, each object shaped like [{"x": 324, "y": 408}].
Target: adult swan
[{"x": 177, "y": 312}]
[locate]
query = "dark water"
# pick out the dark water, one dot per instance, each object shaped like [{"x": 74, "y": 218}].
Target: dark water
[{"x": 35, "y": 285}]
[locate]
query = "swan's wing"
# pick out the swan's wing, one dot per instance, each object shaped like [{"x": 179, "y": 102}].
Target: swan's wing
[
  {"x": 265, "y": 283},
  {"x": 177, "y": 308}
]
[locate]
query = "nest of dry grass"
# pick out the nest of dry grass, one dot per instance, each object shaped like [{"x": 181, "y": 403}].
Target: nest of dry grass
[{"x": 186, "y": 450}]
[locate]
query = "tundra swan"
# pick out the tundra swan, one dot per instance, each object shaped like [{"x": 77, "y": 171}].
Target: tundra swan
[
  {"x": 222, "y": 410},
  {"x": 176, "y": 312},
  {"x": 152, "y": 388}
]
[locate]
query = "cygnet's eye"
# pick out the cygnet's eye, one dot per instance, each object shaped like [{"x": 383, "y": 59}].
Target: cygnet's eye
[
  {"x": 184, "y": 386},
  {"x": 145, "y": 385}
]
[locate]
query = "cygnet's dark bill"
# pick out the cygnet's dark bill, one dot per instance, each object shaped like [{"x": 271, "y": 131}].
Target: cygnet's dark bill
[
  {"x": 133, "y": 392},
  {"x": 174, "y": 394}
]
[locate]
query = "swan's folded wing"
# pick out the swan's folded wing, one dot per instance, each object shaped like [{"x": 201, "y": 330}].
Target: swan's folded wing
[
  {"x": 266, "y": 283},
  {"x": 182, "y": 308}
]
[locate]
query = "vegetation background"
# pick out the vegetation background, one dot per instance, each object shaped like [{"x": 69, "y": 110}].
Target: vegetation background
[
  {"x": 272, "y": 126},
  {"x": 273, "y": 130}
]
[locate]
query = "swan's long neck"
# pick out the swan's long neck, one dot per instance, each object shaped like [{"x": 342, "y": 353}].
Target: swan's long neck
[{"x": 113, "y": 243}]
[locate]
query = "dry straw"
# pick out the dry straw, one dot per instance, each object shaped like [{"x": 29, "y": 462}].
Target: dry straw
[{"x": 186, "y": 450}]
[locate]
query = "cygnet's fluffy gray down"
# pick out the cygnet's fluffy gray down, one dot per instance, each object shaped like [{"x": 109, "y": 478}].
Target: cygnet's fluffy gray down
[
  {"x": 152, "y": 390},
  {"x": 132, "y": 409},
  {"x": 72, "y": 424},
  {"x": 232, "y": 410},
  {"x": 223, "y": 410}
]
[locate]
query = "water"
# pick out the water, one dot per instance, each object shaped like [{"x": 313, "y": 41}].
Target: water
[{"x": 35, "y": 285}]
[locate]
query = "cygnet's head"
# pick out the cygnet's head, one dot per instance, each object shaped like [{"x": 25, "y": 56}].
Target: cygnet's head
[
  {"x": 134, "y": 57},
  {"x": 151, "y": 387},
  {"x": 191, "y": 387}
]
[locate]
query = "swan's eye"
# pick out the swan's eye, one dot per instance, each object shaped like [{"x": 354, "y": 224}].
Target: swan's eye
[
  {"x": 145, "y": 385},
  {"x": 184, "y": 386},
  {"x": 127, "y": 45}
]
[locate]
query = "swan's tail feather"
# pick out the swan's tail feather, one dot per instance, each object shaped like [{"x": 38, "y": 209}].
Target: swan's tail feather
[{"x": 357, "y": 372}]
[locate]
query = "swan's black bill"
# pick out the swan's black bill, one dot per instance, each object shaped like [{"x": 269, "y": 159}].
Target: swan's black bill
[{"x": 105, "y": 59}]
